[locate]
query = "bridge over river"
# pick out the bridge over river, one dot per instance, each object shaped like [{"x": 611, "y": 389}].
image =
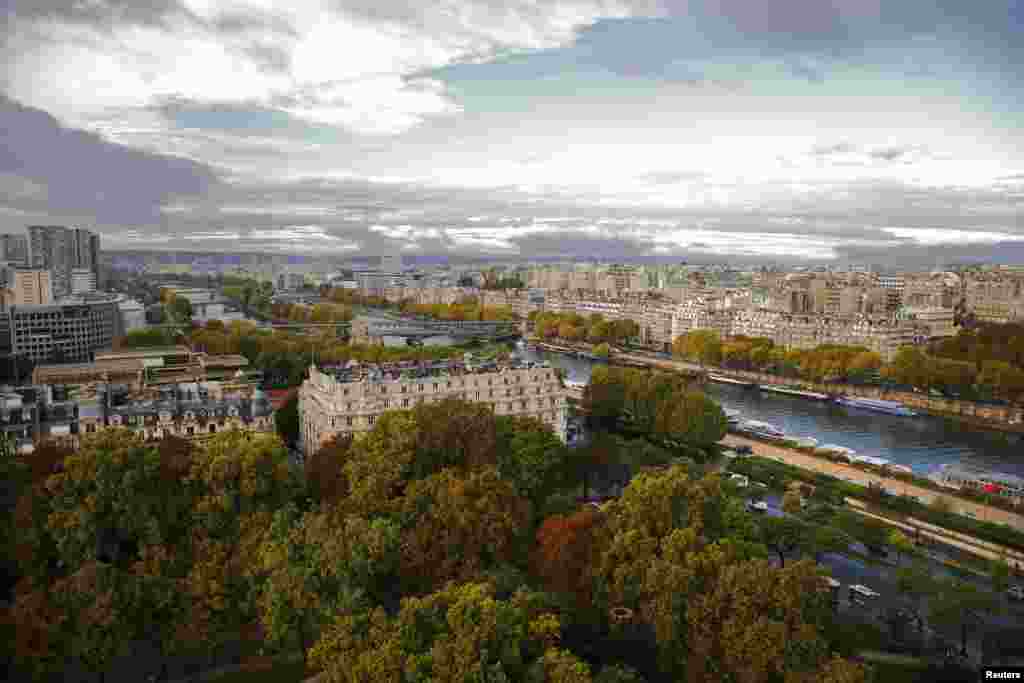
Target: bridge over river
[{"x": 420, "y": 328}]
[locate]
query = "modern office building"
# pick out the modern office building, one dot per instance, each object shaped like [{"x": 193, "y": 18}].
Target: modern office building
[{"x": 66, "y": 332}]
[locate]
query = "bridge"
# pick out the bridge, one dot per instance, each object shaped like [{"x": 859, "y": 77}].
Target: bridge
[{"x": 419, "y": 328}]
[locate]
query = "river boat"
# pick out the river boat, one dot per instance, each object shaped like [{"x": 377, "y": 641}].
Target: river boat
[
  {"x": 575, "y": 384},
  {"x": 977, "y": 479},
  {"x": 847, "y": 453},
  {"x": 721, "y": 379},
  {"x": 791, "y": 390},
  {"x": 732, "y": 417},
  {"x": 806, "y": 442},
  {"x": 761, "y": 430},
  {"x": 876, "y": 405}
]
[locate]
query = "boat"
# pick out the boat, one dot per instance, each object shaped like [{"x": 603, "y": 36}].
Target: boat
[
  {"x": 575, "y": 384},
  {"x": 806, "y": 442},
  {"x": 790, "y": 390},
  {"x": 847, "y": 453},
  {"x": 721, "y": 379},
  {"x": 877, "y": 405},
  {"x": 870, "y": 460},
  {"x": 903, "y": 469},
  {"x": 983, "y": 481},
  {"x": 761, "y": 430}
]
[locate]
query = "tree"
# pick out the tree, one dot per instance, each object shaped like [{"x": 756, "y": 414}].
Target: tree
[
  {"x": 826, "y": 538},
  {"x": 784, "y": 536},
  {"x": 963, "y": 604},
  {"x": 325, "y": 476},
  {"x": 286, "y": 419},
  {"x": 918, "y": 583},
  {"x": 316, "y": 564},
  {"x": 459, "y": 525},
  {"x": 530, "y": 456},
  {"x": 602, "y": 350},
  {"x": 941, "y": 504},
  {"x": 460, "y": 633},
  {"x": 703, "y": 346},
  {"x": 181, "y": 309},
  {"x": 903, "y": 546},
  {"x": 565, "y": 553}
]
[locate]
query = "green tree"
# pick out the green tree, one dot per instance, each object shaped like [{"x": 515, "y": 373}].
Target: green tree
[
  {"x": 286, "y": 419},
  {"x": 784, "y": 536},
  {"x": 530, "y": 456},
  {"x": 181, "y": 310}
]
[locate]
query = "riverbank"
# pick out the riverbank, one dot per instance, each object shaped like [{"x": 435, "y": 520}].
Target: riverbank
[{"x": 842, "y": 471}]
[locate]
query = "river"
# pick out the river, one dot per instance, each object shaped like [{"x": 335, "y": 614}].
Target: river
[{"x": 923, "y": 443}]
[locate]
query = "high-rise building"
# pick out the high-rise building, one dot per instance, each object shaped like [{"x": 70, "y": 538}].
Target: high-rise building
[
  {"x": 60, "y": 250},
  {"x": 83, "y": 280},
  {"x": 14, "y": 249}
]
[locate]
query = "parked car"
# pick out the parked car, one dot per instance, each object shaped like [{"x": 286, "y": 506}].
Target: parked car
[
  {"x": 759, "y": 506},
  {"x": 741, "y": 480},
  {"x": 744, "y": 450}
]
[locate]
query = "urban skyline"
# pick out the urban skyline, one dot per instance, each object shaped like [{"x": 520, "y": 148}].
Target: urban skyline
[{"x": 624, "y": 131}]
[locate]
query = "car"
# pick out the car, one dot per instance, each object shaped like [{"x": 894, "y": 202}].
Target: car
[
  {"x": 741, "y": 480},
  {"x": 1015, "y": 592},
  {"x": 744, "y": 450},
  {"x": 759, "y": 506}
]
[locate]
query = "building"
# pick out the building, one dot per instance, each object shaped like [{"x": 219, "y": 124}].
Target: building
[
  {"x": 139, "y": 369},
  {"x": 350, "y": 401},
  {"x": 133, "y": 315},
  {"x": 290, "y": 282},
  {"x": 194, "y": 411},
  {"x": 60, "y": 250},
  {"x": 14, "y": 249},
  {"x": 83, "y": 280},
  {"x": 69, "y": 331},
  {"x": 28, "y": 287}
]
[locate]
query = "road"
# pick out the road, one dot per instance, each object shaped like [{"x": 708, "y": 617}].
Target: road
[
  {"x": 882, "y": 578},
  {"x": 850, "y": 473}
]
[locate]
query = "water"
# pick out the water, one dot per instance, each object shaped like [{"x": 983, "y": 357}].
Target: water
[{"x": 922, "y": 443}]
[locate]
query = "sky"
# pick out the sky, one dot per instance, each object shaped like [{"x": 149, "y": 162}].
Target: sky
[{"x": 864, "y": 130}]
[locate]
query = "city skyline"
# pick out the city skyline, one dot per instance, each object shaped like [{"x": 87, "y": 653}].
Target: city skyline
[{"x": 845, "y": 131}]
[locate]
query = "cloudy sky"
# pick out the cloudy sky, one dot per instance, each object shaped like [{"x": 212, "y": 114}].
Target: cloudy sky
[{"x": 618, "y": 129}]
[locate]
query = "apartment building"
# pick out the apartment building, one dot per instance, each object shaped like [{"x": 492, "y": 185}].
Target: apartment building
[
  {"x": 192, "y": 411},
  {"x": 66, "y": 332},
  {"x": 349, "y": 401},
  {"x": 14, "y": 249},
  {"x": 996, "y": 297}
]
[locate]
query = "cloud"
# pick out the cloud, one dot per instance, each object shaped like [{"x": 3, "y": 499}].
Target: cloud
[{"x": 61, "y": 169}]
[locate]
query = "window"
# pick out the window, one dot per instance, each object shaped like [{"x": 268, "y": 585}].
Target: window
[
  {"x": 348, "y": 421},
  {"x": 405, "y": 403},
  {"x": 372, "y": 419}
]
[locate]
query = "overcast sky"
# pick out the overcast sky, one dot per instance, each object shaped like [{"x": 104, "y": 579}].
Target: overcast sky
[{"x": 821, "y": 129}]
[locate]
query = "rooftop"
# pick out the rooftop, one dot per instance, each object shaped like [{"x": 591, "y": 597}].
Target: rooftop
[
  {"x": 142, "y": 353},
  {"x": 410, "y": 370}
]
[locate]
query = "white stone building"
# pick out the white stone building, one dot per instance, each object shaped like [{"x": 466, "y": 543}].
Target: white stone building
[{"x": 351, "y": 401}]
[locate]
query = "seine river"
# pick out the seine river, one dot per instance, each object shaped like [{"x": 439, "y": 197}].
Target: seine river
[{"x": 922, "y": 443}]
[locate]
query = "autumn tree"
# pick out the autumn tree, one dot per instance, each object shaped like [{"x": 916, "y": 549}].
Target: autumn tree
[
  {"x": 565, "y": 553},
  {"x": 784, "y": 536},
  {"x": 702, "y": 346},
  {"x": 325, "y": 476},
  {"x": 530, "y": 456},
  {"x": 314, "y": 565},
  {"x": 459, "y": 633},
  {"x": 459, "y": 524}
]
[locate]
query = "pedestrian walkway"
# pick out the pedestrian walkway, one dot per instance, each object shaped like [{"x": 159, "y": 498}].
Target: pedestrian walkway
[{"x": 859, "y": 476}]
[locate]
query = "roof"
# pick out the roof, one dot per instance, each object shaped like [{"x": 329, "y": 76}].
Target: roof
[
  {"x": 143, "y": 353},
  {"x": 41, "y": 372},
  {"x": 226, "y": 360}
]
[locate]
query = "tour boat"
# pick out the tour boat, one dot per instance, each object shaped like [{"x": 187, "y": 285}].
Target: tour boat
[
  {"x": 732, "y": 417},
  {"x": 793, "y": 391},
  {"x": 980, "y": 480},
  {"x": 877, "y": 405},
  {"x": 762, "y": 430},
  {"x": 847, "y": 453},
  {"x": 721, "y": 379}
]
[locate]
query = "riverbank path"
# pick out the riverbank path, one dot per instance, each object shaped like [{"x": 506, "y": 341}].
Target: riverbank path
[{"x": 977, "y": 510}]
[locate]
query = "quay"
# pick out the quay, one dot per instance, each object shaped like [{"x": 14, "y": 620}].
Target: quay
[{"x": 847, "y": 472}]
